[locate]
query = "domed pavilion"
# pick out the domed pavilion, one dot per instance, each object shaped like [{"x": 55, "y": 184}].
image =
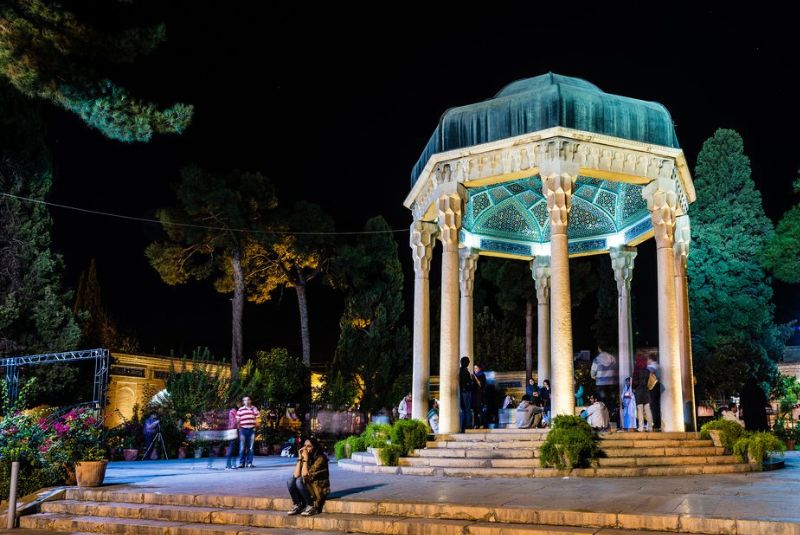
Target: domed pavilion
[{"x": 549, "y": 169}]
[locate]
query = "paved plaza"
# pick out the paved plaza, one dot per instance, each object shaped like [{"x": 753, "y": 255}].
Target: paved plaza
[{"x": 771, "y": 496}]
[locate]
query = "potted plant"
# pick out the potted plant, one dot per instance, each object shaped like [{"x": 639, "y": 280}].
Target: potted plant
[
  {"x": 82, "y": 450},
  {"x": 792, "y": 437},
  {"x": 130, "y": 450},
  {"x": 376, "y": 437}
]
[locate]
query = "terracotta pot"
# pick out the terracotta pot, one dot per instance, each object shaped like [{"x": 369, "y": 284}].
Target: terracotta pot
[
  {"x": 90, "y": 473},
  {"x": 790, "y": 444},
  {"x": 70, "y": 477},
  {"x": 130, "y": 454},
  {"x": 182, "y": 452},
  {"x": 276, "y": 449},
  {"x": 376, "y": 452}
]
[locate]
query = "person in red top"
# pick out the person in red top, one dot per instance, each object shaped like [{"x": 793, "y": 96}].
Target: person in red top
[{"x": 246, "y": 420}]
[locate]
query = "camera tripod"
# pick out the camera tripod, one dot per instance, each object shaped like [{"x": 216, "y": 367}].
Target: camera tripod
[{"x": 158, "y": 440}]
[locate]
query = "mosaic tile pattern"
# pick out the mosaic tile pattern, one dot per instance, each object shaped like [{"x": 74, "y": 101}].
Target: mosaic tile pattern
[
  {"x": 586, "y": 220},
  {"x": 608, "y": 202},
  {"x": 540, "y": 213},
  {"x": 509, "y": 219},
  {"x": 587, "y": 246},
  {"x": 506, "y": 247},
  {"x": 586, "y": 192},
  {"x": 645, "y": 225},
  {"x": 499, "y": 193}
]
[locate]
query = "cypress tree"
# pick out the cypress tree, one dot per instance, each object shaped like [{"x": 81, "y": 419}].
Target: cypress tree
[
  {"x": 733, "y": 333},
  {"x": 782, "y": 252},
  {"x": 34, "y": 313}
]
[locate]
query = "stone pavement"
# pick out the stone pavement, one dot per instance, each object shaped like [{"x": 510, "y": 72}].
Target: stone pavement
[{"x": 772, "y": 496}]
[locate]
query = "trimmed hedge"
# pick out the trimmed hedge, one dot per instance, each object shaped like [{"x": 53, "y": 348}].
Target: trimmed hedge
[
  {"x": 571, "y": 443},
  {"x": 730, "y": 432}
]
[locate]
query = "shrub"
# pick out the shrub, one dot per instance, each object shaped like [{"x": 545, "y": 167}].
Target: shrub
[
  {"x": 756, "y": 446},
  {"x": 355, "y": 443},
  {"x": 569, "y": 444},
  {"x": 377, "y": 435},
  {"x": 729, "y": 432},
  {"x": 390, "y": 454},
  {"x": 409, "y": 435}
]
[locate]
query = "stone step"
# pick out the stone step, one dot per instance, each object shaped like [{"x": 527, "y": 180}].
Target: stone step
[
  {"x": 474, "y": 444},
  {"x": 322, "y": 524},
  {"x": 495, "y": 436},
  {"x": 476, "y": 453},
  {"x": 604, "y": 471},
  {"x": 661, "y": 452},
  {"x": 468, "y": 463},
  {"x": 363, "y": 457},
  {"x": 666, "y": 461},
  {"x": 656, "y": 443},
  {"x": 353, "y": 466},
  {"x": 657, "y": 435},
  {"x": 507, "y": 518}
]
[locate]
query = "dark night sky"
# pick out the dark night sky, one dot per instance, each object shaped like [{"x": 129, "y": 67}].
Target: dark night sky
[{"x": 337, "y": 112}]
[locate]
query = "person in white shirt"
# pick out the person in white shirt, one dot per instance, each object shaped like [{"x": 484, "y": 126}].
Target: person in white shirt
[
  {"x": 596, "y": 414},
  {"x": 732, "y": 414},
  {"x": 404, "y": 409}
]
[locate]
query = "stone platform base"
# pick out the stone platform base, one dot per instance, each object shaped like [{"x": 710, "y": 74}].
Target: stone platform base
[
  {"x": 515, "y": 453},
  {"x": 143, "y": 513}
]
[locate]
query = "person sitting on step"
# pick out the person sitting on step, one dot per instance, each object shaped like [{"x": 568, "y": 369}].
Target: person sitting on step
[
  {"x": 310, "y": 484},
  {"x": 596, "y": 414},
  {"x": 529, "y": 413}
]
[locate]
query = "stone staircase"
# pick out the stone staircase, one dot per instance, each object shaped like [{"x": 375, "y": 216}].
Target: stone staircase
[
  {"x": 515, "y": 452},
  {"x": 128, "y": 512}
]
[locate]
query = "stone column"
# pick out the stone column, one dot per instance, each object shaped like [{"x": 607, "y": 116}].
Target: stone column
[
  {"x": 622, "y": 264},
  {"x": 421, "y": 241},
  {"x": 468, "y": 261},
  {"x": 541, "y": 275},
  {"x": 557, "y": 188},
  {"x": 681, "y": 250},
  {"x": 449, "y": 209},
  {"x": 662, "y": 201}
]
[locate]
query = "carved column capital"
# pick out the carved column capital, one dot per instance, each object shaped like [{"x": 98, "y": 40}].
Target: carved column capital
[
  {"x": 541, "y": 275},
  {"x": 449, "y": 208},
  {"x": 683, "y": 236},
  {"x": 557, "y": 189},
  {"x": 662, "y": 201},
  {"x": 622, "y": 264},
  {"x": 467, "y": 262},
  {"x": 421, "y": 239}
]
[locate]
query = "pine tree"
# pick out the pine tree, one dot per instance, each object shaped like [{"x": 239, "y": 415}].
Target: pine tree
[
  {"x": 733, "y": 333},
  {"x": 373, "y": 345},
  {"x": 782, "y": 251},
  {"x": 217, "y": 206},
  {"x": 66, "y": 52},
  {"x": 289, "y": 261},
  {"x": 34, "y": 314}
]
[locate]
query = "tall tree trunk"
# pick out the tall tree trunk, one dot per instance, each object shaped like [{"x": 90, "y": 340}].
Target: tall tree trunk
[
  {"x": 528, "y": 340},
  {"x": 237, "y": 312},
  {"x": 305, "y": 336}
]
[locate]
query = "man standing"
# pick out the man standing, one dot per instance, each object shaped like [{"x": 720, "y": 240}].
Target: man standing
[
  {"x": 246, "y": 419},
  {"x": 466, "y": 384},
  {"x": 604, "y": 372},
  {"x": 479, "y": 397}
]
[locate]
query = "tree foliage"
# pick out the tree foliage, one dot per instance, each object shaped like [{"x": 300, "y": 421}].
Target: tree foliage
[
  {"x": 782, "y": 250},
  {"x": 285, "y": 377},
  {"x": 373, "y": 345},
  {"x": 499, "y": 342},
  {"x": 68, "y": 53},
  {"x": 215, "y": 208},
  {"x": 733, "y": 333},
  {"x": 34, "y": 312},
  {"x": 289, "y": 261}
]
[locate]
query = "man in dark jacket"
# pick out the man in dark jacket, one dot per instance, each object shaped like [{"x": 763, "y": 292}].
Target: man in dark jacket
[{"x": 466, "y": 384}]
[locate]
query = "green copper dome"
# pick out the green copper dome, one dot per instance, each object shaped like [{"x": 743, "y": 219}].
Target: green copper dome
[{"x": 543, "y": 102}]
